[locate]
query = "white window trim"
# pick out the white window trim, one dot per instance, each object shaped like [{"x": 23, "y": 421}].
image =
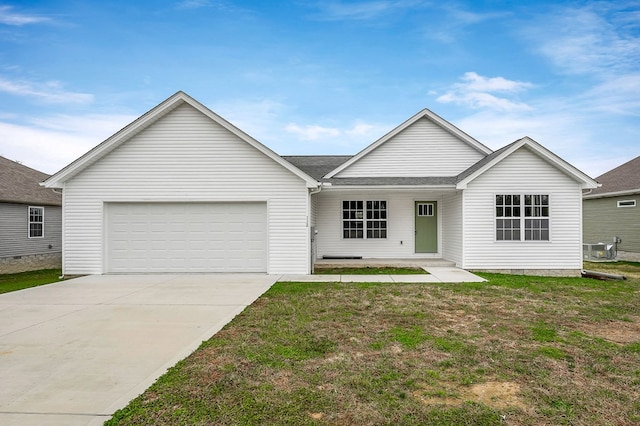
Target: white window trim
[
  {"x": 364, "y": 219},
  {"x": 29, "y": 222},
  {"x": 621, "y": 205},
  {"x": 522, "y": 219},
  {"x": 427, "y": 206}
]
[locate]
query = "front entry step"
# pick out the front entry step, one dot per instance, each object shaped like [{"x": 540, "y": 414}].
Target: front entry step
[{"x": 381, "y": 263}]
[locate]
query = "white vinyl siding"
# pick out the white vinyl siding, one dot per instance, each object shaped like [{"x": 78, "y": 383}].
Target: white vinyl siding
[
  {"x": 400, "y": 224},
  {"x": 523, "y": 172},
  {"x": 185, "y": 157},
  {"x": 422, "y": 149},
  {"x": 452, "y": 228}
]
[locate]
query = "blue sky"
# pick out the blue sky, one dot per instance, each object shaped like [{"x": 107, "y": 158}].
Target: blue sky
[{"x": 324, "y": 77}]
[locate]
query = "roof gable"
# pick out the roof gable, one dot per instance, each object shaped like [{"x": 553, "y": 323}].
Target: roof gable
[
  {"x": 493, "y": 159},
  {"x": 152, "y": 116},
  {"x": 622, "y": 180},
  {"x": 417, "y": 138},
  {"x": 21, "y": 184}
]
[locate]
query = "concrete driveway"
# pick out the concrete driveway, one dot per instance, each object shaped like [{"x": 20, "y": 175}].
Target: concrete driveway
[{"x": 72, "y": 353}]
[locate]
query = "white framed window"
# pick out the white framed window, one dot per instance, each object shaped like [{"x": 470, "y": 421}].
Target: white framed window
[
  {"x": 522, "y": 217},
  {"x": 626, "y": 203},
  {"x": 36, "y": 222},
  {"x": 425, "y": 209},
  {"x": 364, "y": 219}
]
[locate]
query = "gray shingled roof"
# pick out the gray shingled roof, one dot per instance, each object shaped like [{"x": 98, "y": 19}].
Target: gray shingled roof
[
  {"x": 624, "y": 178},
  {"x": 402, "y": 181},
  {"x": 20, "y": 184},
  {"x": 316, "y": 166}
]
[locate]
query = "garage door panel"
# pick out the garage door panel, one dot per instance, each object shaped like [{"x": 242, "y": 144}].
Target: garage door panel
[{"x": 186, "y": 237}]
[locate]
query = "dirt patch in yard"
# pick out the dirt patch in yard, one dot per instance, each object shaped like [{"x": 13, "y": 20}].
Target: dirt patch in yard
[
  {"x": 620, "y": 332},
  {"x": 499, "y": 395}
]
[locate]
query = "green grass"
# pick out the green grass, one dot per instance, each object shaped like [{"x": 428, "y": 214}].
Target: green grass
[
  {"x": 515, "y": 350},
  {"x": 13, "y": 282},
  {"x": 370, "y": 270}
]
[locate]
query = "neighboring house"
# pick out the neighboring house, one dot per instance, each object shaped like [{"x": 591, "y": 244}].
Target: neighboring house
[
  {"x": 30, "y": 220},
  {"x": 182, "y": 190},
  {"x": 613, "y": 210}
]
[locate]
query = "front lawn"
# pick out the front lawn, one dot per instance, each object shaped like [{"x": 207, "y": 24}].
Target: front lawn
[
  {"x": 516, "y": 350},
  {"x": 13, "y": 282}
]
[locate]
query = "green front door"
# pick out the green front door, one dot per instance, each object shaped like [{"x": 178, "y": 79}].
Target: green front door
[{"x": 426, "y": 214}]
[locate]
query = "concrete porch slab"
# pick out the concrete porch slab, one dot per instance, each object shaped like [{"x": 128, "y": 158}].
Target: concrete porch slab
[
  {"x": 453, "y": 275},
  {"x": 437, "y": 274}
]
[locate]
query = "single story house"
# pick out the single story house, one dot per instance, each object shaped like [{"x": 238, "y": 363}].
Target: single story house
[
  {"x": 182, "y": 190},
  {"x": 30, "y": 220},
  {"x": 611, "y": 212}
]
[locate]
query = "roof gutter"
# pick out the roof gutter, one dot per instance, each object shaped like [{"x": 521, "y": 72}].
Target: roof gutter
[
  {"x": 588, "y": 196},
  {"x": 319, "y": 187},
  {"x": 394, "y": 187}
]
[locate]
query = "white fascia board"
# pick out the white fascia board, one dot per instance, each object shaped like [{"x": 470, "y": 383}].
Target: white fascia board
[
  {"x": 424, "y": 113},
  {"x": 578, "y": 175},
  {"x": 152, "y": 116},
  {"x": 586, "y": 181},
  {"x": 612, "y": 194},
  {"x": 388, "y": 187},
  {"x": 56, "y": 180},
  {"x": 311, "y": 182}
]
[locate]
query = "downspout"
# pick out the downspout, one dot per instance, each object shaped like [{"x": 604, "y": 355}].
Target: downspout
[{"x": 316, "y": 190}]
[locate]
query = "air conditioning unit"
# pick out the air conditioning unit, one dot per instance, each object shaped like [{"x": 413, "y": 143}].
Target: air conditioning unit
[{"x": 598, "y": 251}]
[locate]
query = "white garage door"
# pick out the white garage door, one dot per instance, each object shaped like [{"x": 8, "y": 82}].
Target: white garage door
[{"x": 186, "y": 237}]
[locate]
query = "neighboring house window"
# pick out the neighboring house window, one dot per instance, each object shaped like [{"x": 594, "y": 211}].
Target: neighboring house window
[
  {"x": 364, "y": 219},
  {"x": 36, "y": 222},
  {"x": 627, "y": 203},
  {"x": 522, "y": 217}
]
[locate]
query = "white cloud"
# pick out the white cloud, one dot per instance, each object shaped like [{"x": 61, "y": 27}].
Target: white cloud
[
  {"x": 337, "y": 10},
  {"x": 475, "y": 82},
  {"x": 599, "y": 38},
  {"x": 312, "y": 132},
  {"x": 255, "y": 117},
  {"x": 360, "y": 129},
  {"x": 49, "y": 92},
  {"x": 475, "y": 90},
  {"x": 269, "y": 121},
  {"x": 50, "y": 143},
  {"x": 618, "y": 95},
  {"x": 8, "y": 17},
  {"x": 327, "y": 140},
  {"x": 193, "y": 4}
]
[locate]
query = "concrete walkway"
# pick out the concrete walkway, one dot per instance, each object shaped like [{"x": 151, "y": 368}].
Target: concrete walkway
[
  {"x": 437, "y": 274},
  {"x": 74, "y": 352}
]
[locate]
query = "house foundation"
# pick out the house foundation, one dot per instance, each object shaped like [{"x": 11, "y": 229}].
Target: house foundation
[{"x": 33, "y": 262}]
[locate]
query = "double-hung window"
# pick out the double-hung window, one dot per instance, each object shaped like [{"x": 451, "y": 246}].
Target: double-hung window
[
  {"x": 36, "y": 222},
  {"x": 522, "y": 217},
  {"x": 364, "y": 219}
]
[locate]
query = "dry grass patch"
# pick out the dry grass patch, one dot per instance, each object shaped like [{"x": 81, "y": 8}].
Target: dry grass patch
[
  {"x": 516, "y": 350},
  {"x": 620, "y": 332},
  {"x": 498, "y": 395}
]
